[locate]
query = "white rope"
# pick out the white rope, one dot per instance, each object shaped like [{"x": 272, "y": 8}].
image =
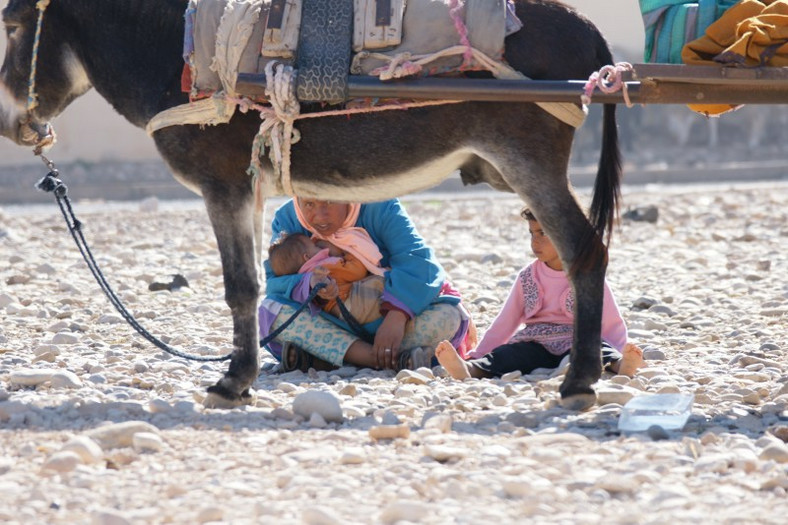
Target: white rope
[
  {"x": 276, "y": 131},
  {"x": 405, "y": 64}
]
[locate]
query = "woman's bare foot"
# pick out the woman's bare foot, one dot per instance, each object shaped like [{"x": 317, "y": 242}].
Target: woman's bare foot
[
  {"x": 632, "y": 360},
  {"x": 450, "y": 360}
]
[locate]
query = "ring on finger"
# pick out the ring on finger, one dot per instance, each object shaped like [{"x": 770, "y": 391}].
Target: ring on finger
[{"x": 387, "y": 350}]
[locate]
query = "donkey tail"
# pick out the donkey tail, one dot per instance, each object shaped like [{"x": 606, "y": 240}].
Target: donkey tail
[
  {"x": 607, "y": 188},
  {"x": 604, "y": 204}
]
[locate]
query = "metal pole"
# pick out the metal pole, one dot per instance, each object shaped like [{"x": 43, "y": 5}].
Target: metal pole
[{"x": 646, "y": 91}]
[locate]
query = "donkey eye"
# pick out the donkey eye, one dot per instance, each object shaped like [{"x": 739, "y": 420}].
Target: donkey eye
[{"x": 10, "y": 30}]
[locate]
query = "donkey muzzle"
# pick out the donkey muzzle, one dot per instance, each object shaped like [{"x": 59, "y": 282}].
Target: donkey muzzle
[{"x": 39, "y": 135}]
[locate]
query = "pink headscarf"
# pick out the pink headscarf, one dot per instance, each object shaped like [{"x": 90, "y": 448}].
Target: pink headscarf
[{"x": 349, "y": 238}]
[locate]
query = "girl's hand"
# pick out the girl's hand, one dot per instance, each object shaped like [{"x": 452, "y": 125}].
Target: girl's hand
[
  {"x": 331, "y": 291},
  {"x": 389, "y": 338},
  {"x": 320, "y": 275}
]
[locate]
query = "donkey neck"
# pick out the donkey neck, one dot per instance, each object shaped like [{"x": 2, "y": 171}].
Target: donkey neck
[{"x": 130, "y": 50}]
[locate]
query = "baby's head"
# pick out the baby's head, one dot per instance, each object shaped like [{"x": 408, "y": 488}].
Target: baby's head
[
  {"x": 541, "y": 244},
  {"x": 289, "y": 253}
]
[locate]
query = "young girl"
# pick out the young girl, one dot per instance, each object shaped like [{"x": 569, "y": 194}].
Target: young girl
[{"x": 542, "y": 300}]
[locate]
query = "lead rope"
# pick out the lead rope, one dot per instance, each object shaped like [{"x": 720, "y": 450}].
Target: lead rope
[
  {"x": 52, "y": 184},
  {"x": 32, "y": 98}
]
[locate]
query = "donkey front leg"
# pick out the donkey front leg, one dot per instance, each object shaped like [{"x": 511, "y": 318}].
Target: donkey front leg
[{"x": 231, "y": 211}]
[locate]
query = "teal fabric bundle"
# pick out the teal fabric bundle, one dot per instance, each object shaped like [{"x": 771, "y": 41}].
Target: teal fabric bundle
[{"x": 672, "y": 23}]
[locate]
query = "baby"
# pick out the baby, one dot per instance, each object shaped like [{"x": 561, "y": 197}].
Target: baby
[{"x": 347, "y": 278}]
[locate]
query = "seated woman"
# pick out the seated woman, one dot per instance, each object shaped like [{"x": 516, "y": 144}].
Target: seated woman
[{"x": 418, "y": 306}]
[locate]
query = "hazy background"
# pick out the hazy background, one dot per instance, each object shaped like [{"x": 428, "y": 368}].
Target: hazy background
[{"x": 660, "y": 142}]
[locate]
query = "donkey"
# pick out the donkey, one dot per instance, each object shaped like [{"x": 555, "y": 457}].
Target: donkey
[{"x": 130, "y": 52}]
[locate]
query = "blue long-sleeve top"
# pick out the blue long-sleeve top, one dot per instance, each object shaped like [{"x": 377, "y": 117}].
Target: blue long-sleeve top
[{"x": 415, "y": 277}]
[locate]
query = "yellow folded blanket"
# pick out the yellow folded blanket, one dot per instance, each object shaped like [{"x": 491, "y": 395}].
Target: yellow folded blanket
[{"x": 751, "y": 33}]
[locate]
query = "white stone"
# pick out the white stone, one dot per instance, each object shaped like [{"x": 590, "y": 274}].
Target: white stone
[
  {"x": 12, "y": 409},
  {"x": 320, "y": 516},
  {"x": 6, "y": 299},
  {"x": 405, "y": 511},
  {"x": 65, "y": 379},
  {"x": 444, "y": 453},
  {"x": 119, "y": 434},
  {"x": 64, "y": 461},
  {"x": 108, "y": 517},
  {"x": 441, "y": 422},
  {"x": 110, "y": 319},
  {"x": 352, "y": 456},
  {"x": 88, "y": 450},
  {"x": 65, "y": 338},
  {"x": 618, "y": 394},
  {"x": 159, "y": 406},
  {"x": 412, "y": 377},
  {"x": 31, "y": 377},
  {"x": 147, "y": 442},
  {"x": 324, "y": 403},
  {"x": 317, "y": 421},
  {"x": 389, "y": 431},
  {"x": 776, "y": 452}
]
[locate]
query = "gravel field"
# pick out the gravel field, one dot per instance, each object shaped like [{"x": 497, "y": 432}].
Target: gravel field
[{"x": 98, "y": 426}]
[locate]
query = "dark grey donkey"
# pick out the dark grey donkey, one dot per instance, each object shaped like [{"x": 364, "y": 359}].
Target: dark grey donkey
[{"x": 130, "y": 52}]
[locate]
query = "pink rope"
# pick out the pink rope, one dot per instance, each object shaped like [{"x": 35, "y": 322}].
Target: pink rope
[
  {"x": 245, "y": 105},
  {"x": 455, "y": 10},
  {"x": 608, "y": 80}
]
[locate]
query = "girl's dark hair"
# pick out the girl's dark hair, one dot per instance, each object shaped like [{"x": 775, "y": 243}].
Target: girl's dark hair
[{"x": 526, "y": 214}]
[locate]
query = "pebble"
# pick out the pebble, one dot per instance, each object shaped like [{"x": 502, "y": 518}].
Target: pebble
[
  {"x": 326, "y": 404},
  {"x": 404, "y": 511},
  {"x": 120, "y": 434},
  {"x": 31, "y": 377},
  {"x": 147, "y": 442},
  {"x": 88, "y": 450},
  {"x": 62, "y": 462},
  {"x": 65, "y": 338},
  {"x": 65, "y": 379},
  {"x": 389, "y": 431}
]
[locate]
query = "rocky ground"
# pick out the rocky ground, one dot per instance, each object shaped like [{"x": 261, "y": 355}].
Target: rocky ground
[{"x": 98, "y": 426}]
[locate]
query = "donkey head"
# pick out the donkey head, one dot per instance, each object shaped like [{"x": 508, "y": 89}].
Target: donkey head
[{"x": 28, "y": 102}]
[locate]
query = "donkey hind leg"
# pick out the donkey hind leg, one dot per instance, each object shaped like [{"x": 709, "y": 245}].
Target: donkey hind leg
[
  {"x": 232, "y": 215},
  {"x": 544, "y": 188},
  {"x": 566, "y": 225}
]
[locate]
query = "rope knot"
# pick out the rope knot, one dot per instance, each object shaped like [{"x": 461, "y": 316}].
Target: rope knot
[
  {"x": 608, "y": 80},
  {"x": 277, "y": 131}
]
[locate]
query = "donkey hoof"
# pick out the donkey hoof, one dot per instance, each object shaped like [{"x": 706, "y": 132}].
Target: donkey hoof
[
  {"x": 579, "y": 402},
  {"x": 220, "y": 397}
]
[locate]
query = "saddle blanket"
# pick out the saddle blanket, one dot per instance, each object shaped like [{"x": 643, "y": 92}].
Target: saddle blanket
[{"x": 227, "y": 37}]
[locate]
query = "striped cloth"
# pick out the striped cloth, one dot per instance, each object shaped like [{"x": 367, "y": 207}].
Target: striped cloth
[{"x": 670, "y": 24}]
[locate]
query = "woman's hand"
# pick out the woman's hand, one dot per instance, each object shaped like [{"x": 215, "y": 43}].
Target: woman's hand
[{"x": 389, "y": 338}]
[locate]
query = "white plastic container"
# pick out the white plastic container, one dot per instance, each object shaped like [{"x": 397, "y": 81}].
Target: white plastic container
[{"x": 669, "y": 411}]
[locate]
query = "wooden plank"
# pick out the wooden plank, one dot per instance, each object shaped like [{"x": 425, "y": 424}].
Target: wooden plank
[{"x": 757, "y": 76}]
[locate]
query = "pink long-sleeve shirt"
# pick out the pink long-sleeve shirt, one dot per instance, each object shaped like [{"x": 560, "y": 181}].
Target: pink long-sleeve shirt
[{"x": 542, "y": 300}]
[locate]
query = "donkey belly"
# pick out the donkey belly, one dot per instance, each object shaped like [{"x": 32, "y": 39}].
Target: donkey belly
[{"x": 382, "y": 183}]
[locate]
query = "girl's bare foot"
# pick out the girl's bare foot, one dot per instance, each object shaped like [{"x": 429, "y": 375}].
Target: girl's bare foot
[
  {"x": 632, "y": 360},
  {"x": 450, "y": 360}
]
